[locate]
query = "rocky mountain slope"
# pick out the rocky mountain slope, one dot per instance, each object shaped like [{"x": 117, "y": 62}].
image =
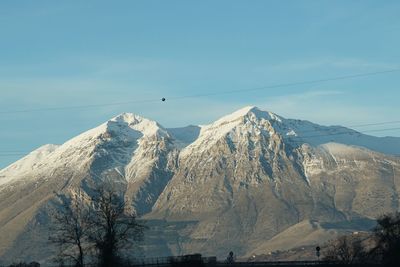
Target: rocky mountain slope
[{"x": 241, "y": 183}]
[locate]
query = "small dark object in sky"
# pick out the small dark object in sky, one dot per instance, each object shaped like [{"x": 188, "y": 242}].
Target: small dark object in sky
[{"x": 163, "y": 99}]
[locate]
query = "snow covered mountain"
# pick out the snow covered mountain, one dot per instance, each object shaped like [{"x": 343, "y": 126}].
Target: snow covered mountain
[
  {"x": 253, "y": 174},
  {"x": 236, "y": 184}
]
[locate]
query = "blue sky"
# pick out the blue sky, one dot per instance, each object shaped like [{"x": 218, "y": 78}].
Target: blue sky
[{"x": 68, "y": 53}]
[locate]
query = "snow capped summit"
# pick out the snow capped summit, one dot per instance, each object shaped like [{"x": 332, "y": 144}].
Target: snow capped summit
[
  {"x": 126, "y": 127},
  {"x": 251, "y": 173},
  {"x": 238, "y": 114},
  {"x": 248, "y": 111},
  {"x": 125, "y": 124},
  {"x": 128, "y": 117},
  {"x": 246, "y": 120},
  {"x": 145, "y": 126},
  {"x": 116, "y": 140},
  {"x": 120, "y": 137}
]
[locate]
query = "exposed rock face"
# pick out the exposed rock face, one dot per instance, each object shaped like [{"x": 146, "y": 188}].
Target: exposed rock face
[
  {"x": 134, "y": 153},
  {"x": 235, "y": 184},
  {"x": 246, "y": 179}
]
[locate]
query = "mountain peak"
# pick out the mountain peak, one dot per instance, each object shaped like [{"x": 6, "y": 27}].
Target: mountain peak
[
  {"x": 245, "y": 110},
  {"x": 211, "y": 133},
  {"x": 136, "y": 122},
  {"x": 248, "y": 111},
  {"x": 240, "y": 113},
  {"x": 246, "y": 173},
  {"x": 128, "y": 117}
]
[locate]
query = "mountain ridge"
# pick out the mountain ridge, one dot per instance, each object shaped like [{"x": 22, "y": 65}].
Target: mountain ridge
[
  {"x": 132, "y": 119},
  {"x": 234, "y": 183}
]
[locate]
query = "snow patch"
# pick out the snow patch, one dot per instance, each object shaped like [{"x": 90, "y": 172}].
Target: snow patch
[
  {"x": 252, "y": 119},
  {"x": 27, "y": 164}
]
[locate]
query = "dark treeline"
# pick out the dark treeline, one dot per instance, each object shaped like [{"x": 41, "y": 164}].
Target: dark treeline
[
  {"x": 100, "y": 232},
  {"x": 381, "y": 247}
]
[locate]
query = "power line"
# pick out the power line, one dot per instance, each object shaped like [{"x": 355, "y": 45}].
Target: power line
[
  {"x": 346, "y": 77},
  {"x": 19, "y": 152},
  {"x": 347, "y": 132},
  {"x": 6, "y": 154},
  {"x": 354, "y": 126},
  {"x": 299, "y": 140},
  {"x": 79, "y": 107},
  {"x": 372, "y": 124}
]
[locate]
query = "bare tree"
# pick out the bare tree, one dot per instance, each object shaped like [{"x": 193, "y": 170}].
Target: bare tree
[
  {"x": 101, "y": 224},
  {"x": 346, "y": 250},
  {"x": 70, "y": 230},
  {"x": 387, "y": 236},
  {"x": 112, "y": 227}
]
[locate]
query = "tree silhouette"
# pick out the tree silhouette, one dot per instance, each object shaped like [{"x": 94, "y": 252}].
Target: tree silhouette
[
  {"x": 345, "y": 250},
  {"x": 70, "y": 230},
  {"x": 387, "y": 234},
  {"x": 112, "y": 227},
  {"x": 99, "y": 224}
]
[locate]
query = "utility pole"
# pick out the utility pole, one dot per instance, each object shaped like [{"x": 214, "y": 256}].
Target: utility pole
[{"x": 317, "y": 252}]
